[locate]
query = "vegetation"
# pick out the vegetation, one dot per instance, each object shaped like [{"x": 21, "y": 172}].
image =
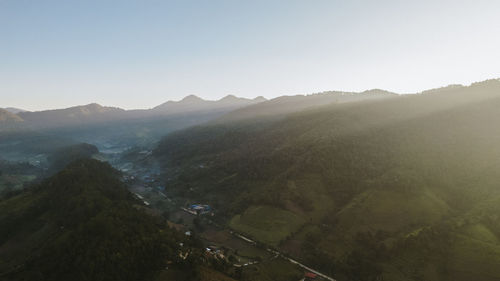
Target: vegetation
[
  {"x": 277, "y": 225},
  {"x": 13, "y": 177},
  {"x": 83, "y": 224},
  {"x": 404, "y": 188}
]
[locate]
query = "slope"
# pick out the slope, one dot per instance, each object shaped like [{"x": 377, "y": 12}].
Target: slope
[
  {"x": 82, "y": 224},
  {"x": 382, "y": 187}
]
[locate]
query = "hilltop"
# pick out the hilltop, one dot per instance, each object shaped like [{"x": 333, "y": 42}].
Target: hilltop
[
  {"x": 78, "y": 115},
  {"x": 283, "y": 105}
]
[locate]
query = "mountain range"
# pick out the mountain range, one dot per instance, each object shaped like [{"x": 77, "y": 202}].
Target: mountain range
[
  {"x": 108, "y": 127},
  {"x": 193, "y": 103},
  {"x": 95, "y": 113}
]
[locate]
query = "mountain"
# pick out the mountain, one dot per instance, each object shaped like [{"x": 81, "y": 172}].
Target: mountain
[
  {"x": 283, "y": 105},
  {"x": 73, "y": 116},
  {"x": 114, "y": 129},
  {"x": 193, "y": 103},
  {"x": 400, "y": 188},
  {"x": 83, "y": 224},
  {"x": 260, "y": 99}
]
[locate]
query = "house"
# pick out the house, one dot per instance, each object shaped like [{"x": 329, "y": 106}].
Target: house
[
  {"x": 310, "y": 276},
  {"x": 215, "y": 252},
  {"x": 200, "y": 209}
]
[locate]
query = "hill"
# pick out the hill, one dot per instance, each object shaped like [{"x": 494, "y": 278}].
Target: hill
[
  {"x": 288, "y": 104},
  {"x": 83, "y": 224},
  {"x": 401, "y": 189},
  {"x": 73, "y": 116}
]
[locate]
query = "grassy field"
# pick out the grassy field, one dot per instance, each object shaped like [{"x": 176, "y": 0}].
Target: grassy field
[
  {"x": 266, "y": 224},
  {"x": 473, "y": 258},
  {"x": 207, "y": 274},
  {"x": 310, "y": 187},
  {"x": 391, "y": 210},
  {"x": 275, "y": 270}
]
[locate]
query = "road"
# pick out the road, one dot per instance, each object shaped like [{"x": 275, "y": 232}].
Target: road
[
  {"x": 276, "y": 253},
  {"x": 248, "y": 240}
]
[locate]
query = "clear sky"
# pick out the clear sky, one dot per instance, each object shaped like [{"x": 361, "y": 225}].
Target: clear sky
[{"x": 138, "y": 54}]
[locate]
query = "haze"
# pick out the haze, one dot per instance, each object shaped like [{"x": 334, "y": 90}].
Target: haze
[{"x": 138, "y": 54}]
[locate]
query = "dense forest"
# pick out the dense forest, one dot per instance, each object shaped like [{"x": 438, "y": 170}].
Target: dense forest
[
  {"x": 83, "y": 224},
  {"x": 404, "y": 188}
]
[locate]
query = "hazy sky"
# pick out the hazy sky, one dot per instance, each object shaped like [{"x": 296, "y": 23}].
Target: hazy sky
[{"x": 138, "y": 54}]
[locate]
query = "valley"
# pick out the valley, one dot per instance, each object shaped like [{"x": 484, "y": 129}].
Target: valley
[
  {"x": 249, "y": 140},
  {"x": 341, "y": 187}
]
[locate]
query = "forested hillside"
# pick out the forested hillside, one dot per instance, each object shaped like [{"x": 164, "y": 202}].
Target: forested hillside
[
  {"x": 83, "y": 224},
  {"x": 405, "y": 188}
]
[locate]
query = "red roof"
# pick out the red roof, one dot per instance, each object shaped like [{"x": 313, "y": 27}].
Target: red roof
[{"x": 310, "y": 275}]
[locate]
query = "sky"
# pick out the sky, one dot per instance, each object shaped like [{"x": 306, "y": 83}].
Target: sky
[{"x": 138, "y": 54}]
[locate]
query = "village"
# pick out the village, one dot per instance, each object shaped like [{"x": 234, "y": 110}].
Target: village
[{"x": 233, "y": 251}]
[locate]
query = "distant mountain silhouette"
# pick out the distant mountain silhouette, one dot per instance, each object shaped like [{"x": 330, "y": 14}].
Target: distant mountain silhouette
[
  {"x": 77, "y": 115},
  {"x": 193, "y": 103},
  {"x": 287, "y": 104},
  {"x": 94, "y": 113}
]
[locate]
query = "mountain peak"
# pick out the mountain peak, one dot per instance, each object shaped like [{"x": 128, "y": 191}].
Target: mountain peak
[
  {"x": 377, "y": 92},
  {"x": 90, "y": 108},
  {"x": 92, "y": 105},
  {"x": 231, "y": 98},
  {"x": 260, "y": 99},
  {"x": 96, "y": 108},
  {"x": 191, "y": 98}
]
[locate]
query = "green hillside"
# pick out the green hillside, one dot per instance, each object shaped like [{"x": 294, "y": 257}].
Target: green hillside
[
  {"x": 401, "y": 188},
  {"x": 83, "y": 224}
]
